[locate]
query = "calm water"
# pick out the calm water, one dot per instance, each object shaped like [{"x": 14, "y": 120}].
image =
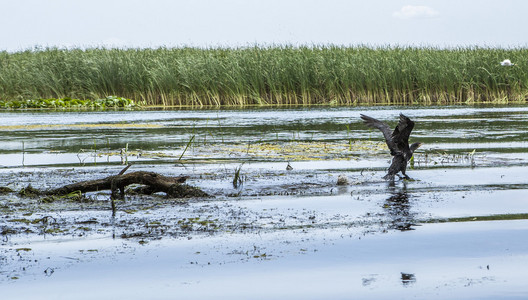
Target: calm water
[
  {"x": 449, "y": 129},
  {"x": 308, "y": 238}
]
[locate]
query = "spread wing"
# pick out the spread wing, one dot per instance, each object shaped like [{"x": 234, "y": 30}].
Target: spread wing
[
  {"x": 401, "y": 133},
  {"x": 385, "y": 129}
]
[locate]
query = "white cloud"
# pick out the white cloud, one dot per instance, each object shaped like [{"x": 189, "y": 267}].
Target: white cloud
[{"x": 413, "y": 12}]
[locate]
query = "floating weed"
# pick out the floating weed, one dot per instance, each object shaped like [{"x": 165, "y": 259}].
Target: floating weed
[
  {"x": 5, "y": 190},
  {"x": 263, "y": 255},
  {"x": 75, "y": 196},
  {"x": 89, "y": 250},
  {"x": 83, "y": 228},
  {"x": 25, "y": 221},
  {"x": 312, "y": 150},
  {"x": 43, "y": 221},
  {"x": 198, "y": 224},
  {"x": 55, "y": 231},
  {"x": 23, "y": 249},
  {"x": 29, "y": 191}
]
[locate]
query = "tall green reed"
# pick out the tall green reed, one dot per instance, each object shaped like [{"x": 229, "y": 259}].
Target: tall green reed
[{"x": 282, "y": 75}]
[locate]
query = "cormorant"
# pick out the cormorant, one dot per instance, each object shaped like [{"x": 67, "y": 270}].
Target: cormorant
[{"x": 398, "y": 142}]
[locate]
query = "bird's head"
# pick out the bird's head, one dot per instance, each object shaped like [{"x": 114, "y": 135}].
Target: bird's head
[{"x": 415, "y": 146}]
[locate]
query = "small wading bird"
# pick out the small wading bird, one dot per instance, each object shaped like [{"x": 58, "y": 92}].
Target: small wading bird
[
  {"x": 507, "y": 63},
  {"x": 398, "y": 142}
]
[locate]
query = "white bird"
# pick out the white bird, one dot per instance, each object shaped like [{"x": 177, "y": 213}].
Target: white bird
[{"x": 507, "y": 63}]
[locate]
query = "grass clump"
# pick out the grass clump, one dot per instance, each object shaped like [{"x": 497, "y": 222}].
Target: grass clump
[
  {"x": 5, "y": 190},
  {"x": 29, "y": 191},
  {"x": 283, "y": 75}
]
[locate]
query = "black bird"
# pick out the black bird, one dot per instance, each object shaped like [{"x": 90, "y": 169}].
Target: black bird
[{"x": 398, "y": 142}]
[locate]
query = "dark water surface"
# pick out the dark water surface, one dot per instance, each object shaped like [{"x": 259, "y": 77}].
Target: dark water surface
[{"x": 293, "y": 234}]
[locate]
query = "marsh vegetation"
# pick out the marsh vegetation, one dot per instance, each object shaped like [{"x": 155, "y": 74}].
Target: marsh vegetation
[{"x": 261, "y": 76}]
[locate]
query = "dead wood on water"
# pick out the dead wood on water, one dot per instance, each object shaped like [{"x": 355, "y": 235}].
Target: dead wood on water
[{"x": 153, "y": 182}]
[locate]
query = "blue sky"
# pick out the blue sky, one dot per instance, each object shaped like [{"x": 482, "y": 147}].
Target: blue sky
[{"x": 210, "y": 23}]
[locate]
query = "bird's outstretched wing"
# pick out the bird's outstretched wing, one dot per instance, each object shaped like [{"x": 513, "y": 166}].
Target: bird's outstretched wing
[
  {"x": 385, "y": 129},
  {"x": 401, "y": 133}
]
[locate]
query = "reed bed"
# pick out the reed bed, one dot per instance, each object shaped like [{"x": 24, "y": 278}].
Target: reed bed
[{"x": 281, "y": 75}]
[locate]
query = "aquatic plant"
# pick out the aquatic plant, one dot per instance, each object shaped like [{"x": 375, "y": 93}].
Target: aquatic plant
[
  {"x": 237, "y": 179},
  {"x": 279, "y": 75},
  {"x": 69, "y": 103},
  {"x": 187, "y": 146},
  {"x": 29, "y": 191},
  {"x": 5, "y": 190}
]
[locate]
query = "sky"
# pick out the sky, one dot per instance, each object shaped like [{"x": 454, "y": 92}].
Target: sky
[{"x": 27, "y": 24}]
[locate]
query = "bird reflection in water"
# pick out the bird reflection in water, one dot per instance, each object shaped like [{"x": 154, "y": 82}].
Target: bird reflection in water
[
  {"x": 398, "y": 209},
  {"x": 407, "y": 279}
]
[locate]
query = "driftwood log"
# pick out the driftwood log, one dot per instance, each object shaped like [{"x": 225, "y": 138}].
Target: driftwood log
[{"x": 153, "y": 182}]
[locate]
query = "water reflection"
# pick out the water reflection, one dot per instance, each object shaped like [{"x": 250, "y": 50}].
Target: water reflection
[
  {"x": 398, "y": 208},
  {"x": 408, "y": 279},
  {"x": 368, "y": 280}
]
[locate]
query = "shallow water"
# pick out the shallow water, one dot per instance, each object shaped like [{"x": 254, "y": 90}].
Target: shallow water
[
  {"x": 454, "y": 129},
  {"x": 292, "y": 234},
  {"x": 439, "y": 261}
]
